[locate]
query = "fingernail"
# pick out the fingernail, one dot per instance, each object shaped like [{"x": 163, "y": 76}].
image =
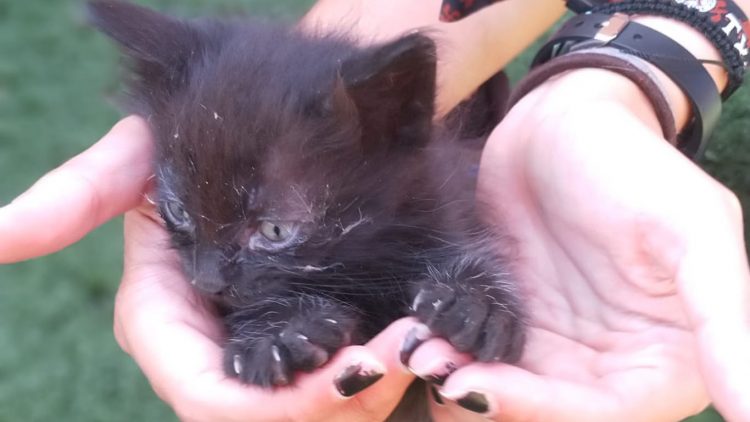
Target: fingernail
[
  {"x": 436, "y": 395},
  {"x": 355, "y": 378},
  {"x": 436, "y": 372},
  {"x": 474, "y": 401},
  {"x": 414, "y": 338}
]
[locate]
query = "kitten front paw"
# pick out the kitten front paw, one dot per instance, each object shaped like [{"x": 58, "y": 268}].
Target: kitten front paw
[
  {"x": 303, "y": 344},
  {"x": 482, "y": 321}
]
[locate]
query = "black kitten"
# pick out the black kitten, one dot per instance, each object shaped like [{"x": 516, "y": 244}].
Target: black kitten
[{"x": 307, "y": 190}]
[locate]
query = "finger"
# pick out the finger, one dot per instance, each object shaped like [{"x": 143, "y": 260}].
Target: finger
[
  {"x": 508, "y": 393},
  {"x": 316, "y": 396},
  {"x": 435, "y": 360},
  {"x": 177, "y": 342},
  {"x": 714, "y": 282},
  {"x": 67, "y": 203},
  {"x": 379, "y": 400},
  {"x": 376, "y": 401}
]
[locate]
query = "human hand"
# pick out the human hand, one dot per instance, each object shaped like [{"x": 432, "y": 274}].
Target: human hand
[
  {"x": 176, "y": 340},
  {"x": 159, "y": 320},
  {"x": 632, "y": 261}
]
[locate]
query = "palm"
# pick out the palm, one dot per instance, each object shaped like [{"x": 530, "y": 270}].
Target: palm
[{"x": 598, "y": 260}]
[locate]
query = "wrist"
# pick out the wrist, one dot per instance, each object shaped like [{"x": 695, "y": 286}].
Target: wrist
[
  {"x": 577, "y": 90},
  {"x": 585, "y": 84}
]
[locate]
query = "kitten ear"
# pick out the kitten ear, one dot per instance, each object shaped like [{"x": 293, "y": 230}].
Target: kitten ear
[
  {"x": 393, "y": 89},
  {"x": 159, "y": 45}
]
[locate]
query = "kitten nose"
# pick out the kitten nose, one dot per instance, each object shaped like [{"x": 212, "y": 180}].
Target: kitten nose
[{"x": 207, "y": 272}]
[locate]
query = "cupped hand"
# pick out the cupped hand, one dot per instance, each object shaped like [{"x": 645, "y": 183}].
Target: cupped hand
[
  {"x": 167, "y": 328},
  {"x": 633, "y": 266},
  {"x": 177, "y": 341}
]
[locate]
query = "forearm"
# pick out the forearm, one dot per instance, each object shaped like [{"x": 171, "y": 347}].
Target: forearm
[
  {"x": 470, "y": 51},
  {"x": 371, "y": 21},
  {"x": 478, "y": 46}
]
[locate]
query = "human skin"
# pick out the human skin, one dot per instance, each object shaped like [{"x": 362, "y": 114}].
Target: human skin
[
  {"x": 596, "y": 207},
  {"x": 631, "y": 256},
  {"x": 632, "y": 260},
  {"x": 470, "y": 50}
]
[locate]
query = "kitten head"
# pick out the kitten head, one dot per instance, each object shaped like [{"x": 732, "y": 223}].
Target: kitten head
[{"x": 273, "y": 147}]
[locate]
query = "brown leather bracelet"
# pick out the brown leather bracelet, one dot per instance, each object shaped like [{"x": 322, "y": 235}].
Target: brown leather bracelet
[
  {"x": 601, "y": 60},
  {"x": 685, "y": 70}
]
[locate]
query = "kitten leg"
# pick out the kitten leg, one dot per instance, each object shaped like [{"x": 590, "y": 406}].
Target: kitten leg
[
  {"x": 273, "y": 338},
  {"x": 469, "y": 303}
]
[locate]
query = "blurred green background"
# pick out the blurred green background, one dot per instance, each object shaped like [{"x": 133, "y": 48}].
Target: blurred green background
[{"x": 58, "y": 358}]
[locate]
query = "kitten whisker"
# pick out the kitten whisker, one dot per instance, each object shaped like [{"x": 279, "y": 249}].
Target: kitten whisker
[
  {"x": 308, "y": 205},
  {"x": 355, "y": 224}
]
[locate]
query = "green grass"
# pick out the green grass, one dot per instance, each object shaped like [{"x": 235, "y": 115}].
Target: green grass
[{"x": 58, "y": 358}]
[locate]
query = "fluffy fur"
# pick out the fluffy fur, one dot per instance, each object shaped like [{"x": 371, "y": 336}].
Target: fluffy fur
[{"x": 308, "y": 192}]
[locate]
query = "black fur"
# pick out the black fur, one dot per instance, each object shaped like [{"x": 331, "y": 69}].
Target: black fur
[{"x": 308, "y": 192}]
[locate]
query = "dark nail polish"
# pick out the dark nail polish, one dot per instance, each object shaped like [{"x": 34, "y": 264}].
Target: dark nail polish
[
  {"x": 439, "y": 378},
  {"x": 355, "y": 379},
  {"x": 414, "y": 338},
  {"x": 476, "y": 402},
  {"x": 436, "y": 395}
]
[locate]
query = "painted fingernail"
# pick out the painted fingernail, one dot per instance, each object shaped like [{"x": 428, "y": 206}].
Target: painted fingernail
[
  {"x": 436, "y": 395},
  {"x": 474, "y": 401},
  {"x": 414, "y": 338},
  {"x": 437, "y": 374},
  {"x": 356, "y": 378}
]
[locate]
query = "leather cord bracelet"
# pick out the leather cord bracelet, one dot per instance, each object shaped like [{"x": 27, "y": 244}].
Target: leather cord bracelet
[
  {"x": 618, "y": 31},
  {"x": 607, "y": 59}
]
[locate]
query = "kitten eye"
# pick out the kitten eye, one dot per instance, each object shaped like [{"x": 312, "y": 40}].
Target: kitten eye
[
  {"x": 277, "y": 231},
  {"x": 176, "y": 215}
]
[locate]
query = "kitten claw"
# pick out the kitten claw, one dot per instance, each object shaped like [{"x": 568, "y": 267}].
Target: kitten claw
[
  {"x": 418, "y": 300},
  {"x": 303, "y": 344},
  {"x": 237, "y": 364},
  {"x": 471, "y": 319},
  {"x": 319, "y": 358},
  {"x": 306, "y": 353},
  {"x": 275, "y": 353},
  {"x": 414, "y": 338},
  {"x": 422, "y": 298}
]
